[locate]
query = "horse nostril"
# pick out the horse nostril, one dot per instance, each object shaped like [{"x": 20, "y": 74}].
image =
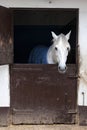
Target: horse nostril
[
  {"x": 59, "y": 68},
  {"x": 65, "y": 67}
]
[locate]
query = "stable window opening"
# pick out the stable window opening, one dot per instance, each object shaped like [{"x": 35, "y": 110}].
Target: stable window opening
[{"x": 33, "y": 27}]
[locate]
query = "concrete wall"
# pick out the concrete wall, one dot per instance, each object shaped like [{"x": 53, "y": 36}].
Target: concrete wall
[{"x": 82, "y": 5}]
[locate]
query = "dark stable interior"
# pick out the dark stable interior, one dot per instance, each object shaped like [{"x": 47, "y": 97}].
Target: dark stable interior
[{"x": 36, "y": 30}]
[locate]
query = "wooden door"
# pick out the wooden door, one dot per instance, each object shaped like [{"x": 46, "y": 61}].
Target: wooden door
[
  {"x": 6, "y": 55},
  {"x": 6, "y": 36},
  {"x": 41, "y": 95}
]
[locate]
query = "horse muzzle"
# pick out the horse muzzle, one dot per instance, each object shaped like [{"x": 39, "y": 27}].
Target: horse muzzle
[{"x": 62, "y": 69}]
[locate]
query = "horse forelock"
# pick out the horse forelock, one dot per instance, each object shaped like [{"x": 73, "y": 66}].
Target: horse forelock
[{"x": 61, "y": 40}]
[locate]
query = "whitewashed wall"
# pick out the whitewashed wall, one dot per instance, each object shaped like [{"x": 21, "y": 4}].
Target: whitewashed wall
[
  {"x": 82, "y": 5},
  {"x": 4, "y": 86}
]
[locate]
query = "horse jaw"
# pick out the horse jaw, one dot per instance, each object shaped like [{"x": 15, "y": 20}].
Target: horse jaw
[{"x": 49, "y": 58}]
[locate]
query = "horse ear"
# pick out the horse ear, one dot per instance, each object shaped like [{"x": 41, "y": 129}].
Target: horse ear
[
  {"x": 54, "y": 35},
  {"x": 68, "y": 35}
]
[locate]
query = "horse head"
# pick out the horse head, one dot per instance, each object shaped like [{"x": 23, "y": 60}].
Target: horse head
[{"x": 61, "y": 48}]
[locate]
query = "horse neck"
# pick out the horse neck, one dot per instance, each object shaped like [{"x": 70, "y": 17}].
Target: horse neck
[{"x": 50, "y": 55}]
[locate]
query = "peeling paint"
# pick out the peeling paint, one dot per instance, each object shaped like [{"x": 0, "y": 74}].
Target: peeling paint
[{"x": 82, "y": 88}]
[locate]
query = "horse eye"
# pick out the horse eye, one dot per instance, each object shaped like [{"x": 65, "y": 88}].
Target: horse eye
[
  {"x": 67, "y": 48},
  {"x": 56, "y": 48}
]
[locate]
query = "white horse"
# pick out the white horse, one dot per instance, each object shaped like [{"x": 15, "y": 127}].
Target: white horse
[{"x": 56, "y": 54}]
